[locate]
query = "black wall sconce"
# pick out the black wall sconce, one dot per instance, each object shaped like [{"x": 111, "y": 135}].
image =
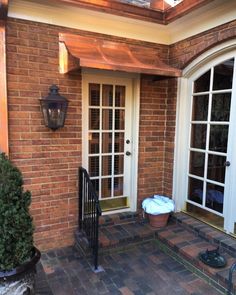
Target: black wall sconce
[{"x": 54, "y": 108}]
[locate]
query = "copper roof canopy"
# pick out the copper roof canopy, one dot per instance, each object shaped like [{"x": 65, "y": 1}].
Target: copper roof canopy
[{"x": 78, "y": 51}]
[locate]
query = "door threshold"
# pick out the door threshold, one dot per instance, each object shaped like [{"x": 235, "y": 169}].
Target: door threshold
[
  {"x": 203, "y": 220},
  {"x": 119, "y": 210}
]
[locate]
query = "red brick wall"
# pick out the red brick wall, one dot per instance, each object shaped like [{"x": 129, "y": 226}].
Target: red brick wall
[
  {"x": 152, "y": 136},
  {"x": 157, "y": 136},
  {"x": 185, "y": 51},
  {"x": 47, "y": 159}
]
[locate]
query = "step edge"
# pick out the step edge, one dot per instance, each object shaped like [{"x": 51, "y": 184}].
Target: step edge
[{"x": 213, "y": 240}]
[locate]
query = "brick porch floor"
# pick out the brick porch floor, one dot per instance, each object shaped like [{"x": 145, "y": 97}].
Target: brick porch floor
[
  {"x": 144, "y": 269},
  {"x": 138, "y": 259}
]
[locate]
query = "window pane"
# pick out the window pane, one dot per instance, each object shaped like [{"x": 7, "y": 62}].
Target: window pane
[
  {"x": 216, "y": 168},
  {"x": 106, "y": 188},
  {"x": 218, "y": 138},
  {"x": 94, "y": 119},
  {"x": 119, "y": 119},
  {"x": 119, "y": 142},
  {"x": 197, "y": 161},
  {"x": 94, "y": 94},
  {"x": 107, "y": 142},
  {"x": 93, "y": 143},
  {"x": 223, "y": 75},
  {"x": 95, "y": 183},
  {"x": 195, "y": 190},
  {"x": 106, "y": 165},
  {"x": 200, "y": 108},
  {"x": 202, "y": 84},
  {"x": 119, "y": 164},
  {"x": 118, "y": 186},
  {"x": 93, "y": 166},
  {"x": 120, "y": 96},
  {"x": 198, "y": 136},
  {"x": 107, "y": 119},
  {"x": 220, "y": 110},
  {"x": 107, "y": 95},
  {"x": 215, "y": 197}
]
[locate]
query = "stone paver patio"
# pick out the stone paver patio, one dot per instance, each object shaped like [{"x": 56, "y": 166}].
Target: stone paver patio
[{"x": 143, "y": 269}]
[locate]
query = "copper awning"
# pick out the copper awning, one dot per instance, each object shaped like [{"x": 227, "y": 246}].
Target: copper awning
[{"x": 78, "y": 51}]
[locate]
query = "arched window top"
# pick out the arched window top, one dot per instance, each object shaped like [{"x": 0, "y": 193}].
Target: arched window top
[
  {"x": 218, "y": 77},
  {"x": 221, "y": 54}
]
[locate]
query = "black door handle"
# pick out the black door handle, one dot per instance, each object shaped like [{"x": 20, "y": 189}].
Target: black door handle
[{"x": 227, "y": 164}]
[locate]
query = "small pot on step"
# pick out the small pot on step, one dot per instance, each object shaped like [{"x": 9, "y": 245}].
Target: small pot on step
[
  {"x": 158, "y": 209},
  {"x": 159, "y": 220}
]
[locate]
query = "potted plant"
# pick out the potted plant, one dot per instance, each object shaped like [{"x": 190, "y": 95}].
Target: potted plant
[
  {"x": 158, "y": 209},
  {"x": 18, "y": 256}
]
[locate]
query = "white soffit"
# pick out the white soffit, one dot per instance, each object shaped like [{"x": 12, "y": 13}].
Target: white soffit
[
  {"x": 88, "y": 20},
  {"x": 209, "y": 16}
]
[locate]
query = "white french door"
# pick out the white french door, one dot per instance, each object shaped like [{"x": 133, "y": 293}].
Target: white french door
[
  {"x": 205, "y": 169},
  {"x": 108, "y": 139}
]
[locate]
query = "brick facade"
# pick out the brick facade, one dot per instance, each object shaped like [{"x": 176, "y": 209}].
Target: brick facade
[
  {"x": 185, "y": 51},
  {"x": 151, "y": 136},
  {"x": 49, "y": 160}
]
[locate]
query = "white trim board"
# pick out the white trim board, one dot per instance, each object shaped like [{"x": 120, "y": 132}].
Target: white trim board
[{"x": 207, "y": 17}]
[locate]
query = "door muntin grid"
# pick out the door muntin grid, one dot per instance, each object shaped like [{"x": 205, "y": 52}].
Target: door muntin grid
[
  {"x": 106, "y": 138},
  {"x": 209, "y": 128}
]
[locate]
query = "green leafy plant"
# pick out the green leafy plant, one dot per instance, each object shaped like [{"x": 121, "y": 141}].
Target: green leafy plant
[{"x": 16, "y": 227}]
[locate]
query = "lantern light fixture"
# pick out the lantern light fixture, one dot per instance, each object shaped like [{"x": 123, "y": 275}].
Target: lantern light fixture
[{"x": 54, "y": 108}]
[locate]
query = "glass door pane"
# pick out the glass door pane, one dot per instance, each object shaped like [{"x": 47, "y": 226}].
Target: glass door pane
[{"x": 106, "y": 134}]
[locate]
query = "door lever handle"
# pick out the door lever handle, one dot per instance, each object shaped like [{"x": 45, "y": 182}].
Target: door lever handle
[{"x": 227, "y": 163}]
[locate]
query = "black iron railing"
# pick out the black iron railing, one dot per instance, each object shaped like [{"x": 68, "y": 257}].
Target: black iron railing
[
  {"x": 230, "y": 279},
  {"x": 89, "y": 212}
]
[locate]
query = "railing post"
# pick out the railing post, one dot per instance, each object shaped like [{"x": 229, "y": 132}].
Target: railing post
[
  {"x": 89, "y": 212},
  {"x": 232, "y": 269},
  {"x": 96, "y": 237}
]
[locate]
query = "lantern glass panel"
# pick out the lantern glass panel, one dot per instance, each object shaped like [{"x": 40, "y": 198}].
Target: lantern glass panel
[{"x": 54, "y": 109}]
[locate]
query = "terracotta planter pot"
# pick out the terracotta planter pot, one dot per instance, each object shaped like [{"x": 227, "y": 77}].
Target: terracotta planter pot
[{"x": 158, "y": 220}]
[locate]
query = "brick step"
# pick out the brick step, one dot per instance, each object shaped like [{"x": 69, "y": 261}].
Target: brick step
[
  {"x": 110, "y": 228},
  {"x": 119, "y": 235},
  {"x": 184, "y": 240},
  {"x": 122, "y": 235},
  {"x": 118, "y": 218},
  {"x": 226, "y": 242}
]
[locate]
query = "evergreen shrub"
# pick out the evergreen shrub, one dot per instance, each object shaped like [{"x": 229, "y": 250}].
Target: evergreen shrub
[{"x": 16, "y": 226}]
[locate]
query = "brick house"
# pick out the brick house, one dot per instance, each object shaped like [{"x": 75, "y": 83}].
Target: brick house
[{"x": 152, "y": 98}]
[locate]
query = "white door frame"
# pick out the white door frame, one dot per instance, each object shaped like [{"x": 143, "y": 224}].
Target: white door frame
[
  {"x": 99, "y": 75},
  {"x": 200, "y": 65}
]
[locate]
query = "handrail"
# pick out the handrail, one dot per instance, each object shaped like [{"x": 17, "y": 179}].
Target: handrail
[
  {"x": 89, "y": 212},
  {"x": 232, "y": 269}
]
